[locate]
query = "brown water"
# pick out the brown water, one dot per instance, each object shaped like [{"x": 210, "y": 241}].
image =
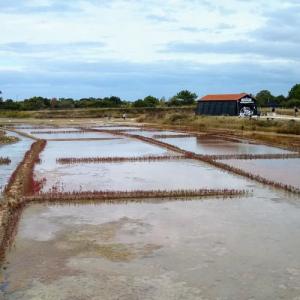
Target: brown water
[
  {"x": 286, "y": 171},
  {"x": 245, "y": 248}
]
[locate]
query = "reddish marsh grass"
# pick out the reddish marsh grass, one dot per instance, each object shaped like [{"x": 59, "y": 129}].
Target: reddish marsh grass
[
  {"x": 4, "y": 161},
  {"x": 253, "y": 156},
  {"x": 21, "y": 181},
  {"x": 74, "y": 160},
  {"x": 166, "y": 136},
  {"x": 103, "y": 196},
  {"x": 61, "y": 131}
]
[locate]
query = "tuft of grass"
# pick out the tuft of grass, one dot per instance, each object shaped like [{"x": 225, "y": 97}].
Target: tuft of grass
[
  {"x": 5, "y": 139},
  {"x": 291, "y": 127}
]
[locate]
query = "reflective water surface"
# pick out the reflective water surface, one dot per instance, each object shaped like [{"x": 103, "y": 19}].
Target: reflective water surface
[
  {"x": 207, "y": 146},
  {"x": 168, "y": 175},
  {"x": 286, "y": 171},
  {"x": 212, "y": 249},
  {"x": 245, "y": 248}
]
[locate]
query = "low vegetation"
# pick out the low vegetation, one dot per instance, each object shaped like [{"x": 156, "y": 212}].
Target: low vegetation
[
  {"x": 6, "y": 139},
  {"x": 203, "y": 123},
  {"x": 4, "y": 161},
  {"x": 129, "y": 195},
  {"x": 76, "y": 160}
]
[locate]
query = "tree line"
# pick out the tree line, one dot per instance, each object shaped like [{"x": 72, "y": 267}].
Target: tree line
[{"x": 183, "y": 98}]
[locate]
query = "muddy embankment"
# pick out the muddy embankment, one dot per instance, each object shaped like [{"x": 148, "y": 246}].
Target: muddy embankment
[{"x": 20, "y": 184}]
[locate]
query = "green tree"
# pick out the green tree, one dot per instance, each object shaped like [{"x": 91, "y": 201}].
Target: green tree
[
  {"x": 280, "y": 100},
  {"x": 138, "y": 103},
  {"x": 184, "y": 97},
  {"x": 65, "y": 103},
  {"x": 294, "y": 93},
  {"x": 148, "y": 101},
  {"x": 151, "y": 101},
  {"x": 291, "y": 103},
  {"x": 35, "y": 103},
  {"x": 264, "y": 98}
]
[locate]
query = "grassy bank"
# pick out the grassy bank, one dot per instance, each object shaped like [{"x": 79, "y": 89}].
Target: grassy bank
[
  {"x": 281, "y": 133},
  {"x": 280, "y": 111},
  {"x": 228, "y": 123},
  {"x": 93, "y": 112}
]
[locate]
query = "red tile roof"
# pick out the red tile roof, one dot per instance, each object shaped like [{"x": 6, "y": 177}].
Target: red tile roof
[{"x": 224, "y": 97}]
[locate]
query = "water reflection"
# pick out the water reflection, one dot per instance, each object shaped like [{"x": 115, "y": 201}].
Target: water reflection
[
  {"x": 213, "y": 249},
  {"x": 202, "y": 145}
]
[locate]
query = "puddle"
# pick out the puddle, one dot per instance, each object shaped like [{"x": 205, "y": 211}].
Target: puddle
[
  {"x": 286, "y": 171},
  {"x": 105, "y": 148},
  {"x": 163, "y": 175},
  {"x": 209, "y": 249},
  {"x": 204, "y": 146}
]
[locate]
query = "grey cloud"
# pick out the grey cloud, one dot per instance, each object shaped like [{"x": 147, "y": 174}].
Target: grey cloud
[
  {"x": 281, "y": 26},
  {"x": 132, "y": 81},
  {"x": 268, "y": 49}
]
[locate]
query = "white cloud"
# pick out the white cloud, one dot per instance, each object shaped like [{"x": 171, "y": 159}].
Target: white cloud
[{"x": 136, "y": 32}]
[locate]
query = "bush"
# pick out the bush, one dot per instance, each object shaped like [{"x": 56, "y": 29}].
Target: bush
[{"x": 291, "y": 127}]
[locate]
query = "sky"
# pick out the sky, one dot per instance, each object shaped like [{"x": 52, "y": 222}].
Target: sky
[{"x": 135, "y": 48}]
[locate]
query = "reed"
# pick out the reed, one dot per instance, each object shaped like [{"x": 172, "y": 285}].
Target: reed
[
  {"x": 84, "y": 139},
  {"x": 253, "y": 156},
  {"x": 4, "y": 161},
  {"x": 104, "y": 196},
  {"x": 76, "y": 160},
  {"x": 61, "y": 131},
  {"x": 167, "y": 136},
  {"x": 32, "y": 127}
]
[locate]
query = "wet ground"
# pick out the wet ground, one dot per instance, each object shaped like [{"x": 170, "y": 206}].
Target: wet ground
[{"x": 212, "y": 249}]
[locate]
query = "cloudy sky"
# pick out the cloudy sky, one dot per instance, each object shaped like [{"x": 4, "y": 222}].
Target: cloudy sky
[{"x": 133, "y": 48}]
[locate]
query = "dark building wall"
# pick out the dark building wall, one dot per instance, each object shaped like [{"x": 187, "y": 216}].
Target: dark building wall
[{"x": 217, "y": 108}]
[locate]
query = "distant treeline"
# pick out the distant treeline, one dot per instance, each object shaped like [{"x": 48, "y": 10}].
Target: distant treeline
[{"x": 183, "y": 98}]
